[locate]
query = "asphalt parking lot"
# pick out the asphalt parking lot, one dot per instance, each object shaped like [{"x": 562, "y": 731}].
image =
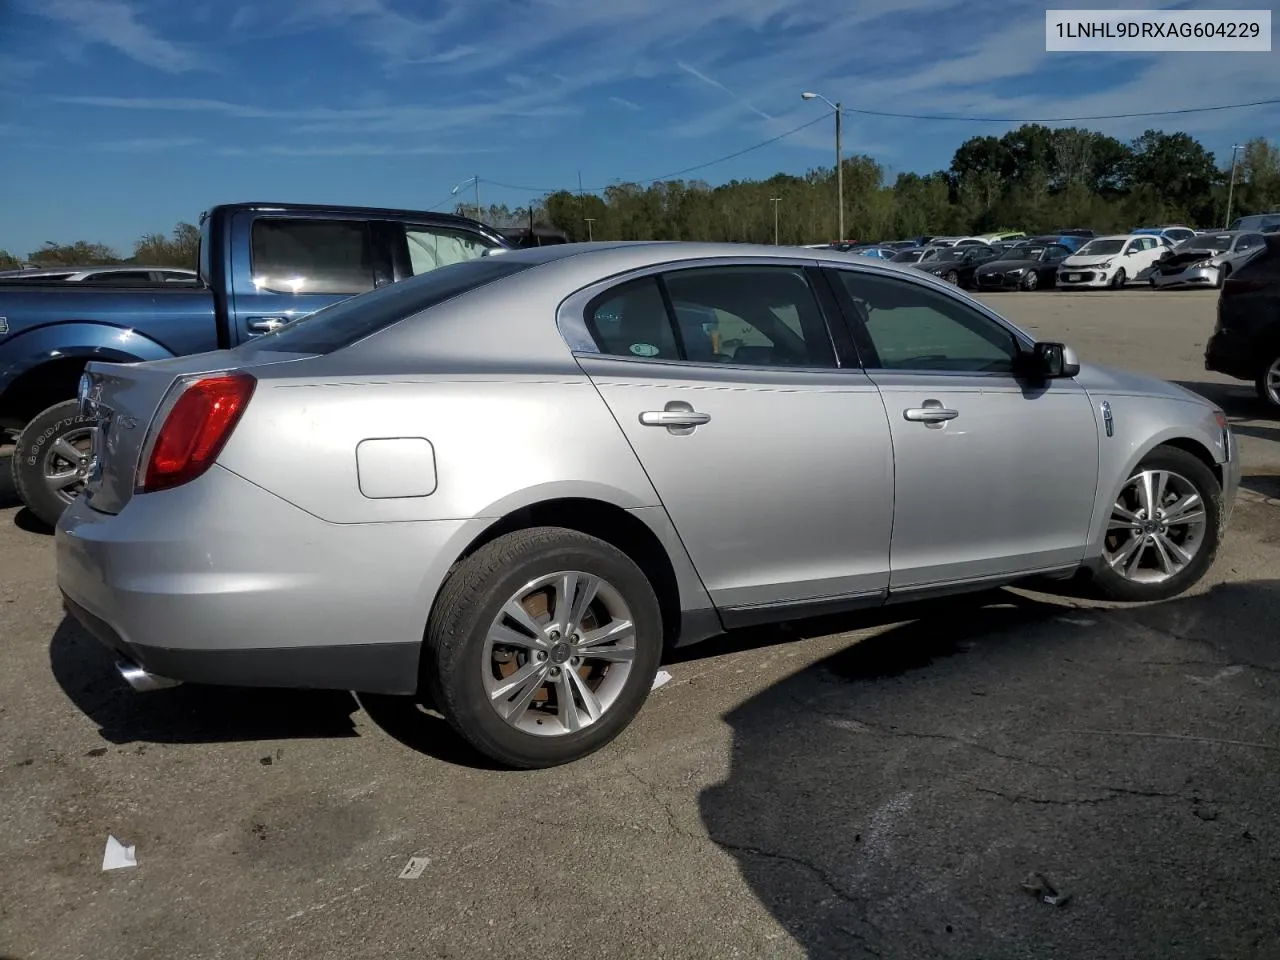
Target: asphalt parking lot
[{"x": 874, "y": 786}]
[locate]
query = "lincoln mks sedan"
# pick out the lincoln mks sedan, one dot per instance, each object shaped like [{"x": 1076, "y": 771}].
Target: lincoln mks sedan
[{"x": 507, "y": 486}]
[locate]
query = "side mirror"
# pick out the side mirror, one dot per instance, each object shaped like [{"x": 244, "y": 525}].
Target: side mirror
[{"x": 1052, "y": 361}]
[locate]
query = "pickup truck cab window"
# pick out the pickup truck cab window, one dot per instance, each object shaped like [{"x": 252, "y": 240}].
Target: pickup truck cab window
[
  {"x": 312, "y": 256},
  {"x": 432, "y": 247}
]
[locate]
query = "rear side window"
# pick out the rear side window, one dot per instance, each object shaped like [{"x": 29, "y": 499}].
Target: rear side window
[
  {"x": 741, "y": 315},
  {"x": 312, "y": 256},
  {"x": 343, "y": 323}
]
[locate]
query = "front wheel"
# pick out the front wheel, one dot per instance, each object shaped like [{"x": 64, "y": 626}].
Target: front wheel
[
  {"x": 952, "y": 278},
  {"x": 1118, "y": 281},
  {"x": 1164, "y": 529},
  {"x": 542, "y": 646},
  {"x": 51, "y": 459},
  {"x": 1030, "y": 281},
  {"x": 1268, "y": 384}
]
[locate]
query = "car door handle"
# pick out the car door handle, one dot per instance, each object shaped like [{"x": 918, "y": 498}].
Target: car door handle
[
  {"x": 265, "y": 324},
  {"x": 674, "y": 418},
  {"x": 931, "y": 412}
]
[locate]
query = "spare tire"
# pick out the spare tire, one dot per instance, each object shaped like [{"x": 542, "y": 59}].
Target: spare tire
[{"x": 51, "y": 459}]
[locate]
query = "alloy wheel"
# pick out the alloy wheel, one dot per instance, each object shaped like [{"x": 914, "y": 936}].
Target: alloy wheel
[
  {"x": 67, "y": 462},
  {"x": 558, "y": 654},
  {"x": 1270, "y": 383},
  {"x": 1157, "y": 527}
]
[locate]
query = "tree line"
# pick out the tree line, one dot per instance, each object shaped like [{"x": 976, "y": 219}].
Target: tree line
[{"x": 1034, "y": 178}]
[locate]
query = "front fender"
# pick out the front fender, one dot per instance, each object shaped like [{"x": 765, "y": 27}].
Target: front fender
[{"x": 29, "y": 349}]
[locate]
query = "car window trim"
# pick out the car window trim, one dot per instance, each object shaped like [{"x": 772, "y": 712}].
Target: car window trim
[
  {"x": 867, "y": 348},
  {"x": 571, "y": 315}
]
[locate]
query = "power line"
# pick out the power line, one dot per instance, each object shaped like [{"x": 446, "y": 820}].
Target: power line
[
  {"x": 677, "y": 173},
  {"x": 1099, "y": 116}
]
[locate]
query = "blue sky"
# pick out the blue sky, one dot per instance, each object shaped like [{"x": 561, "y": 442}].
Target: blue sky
[{"x": 124, "y": 116}]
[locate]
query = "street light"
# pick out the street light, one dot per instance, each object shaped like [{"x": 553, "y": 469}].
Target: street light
[
  {"x": 589, "y": 221},
  {"x": 809, "y": 95},
  {"x": 476, "y": 181},
  {"x": 1235, "y": 148},
  {"x": 775, "y": 219}
]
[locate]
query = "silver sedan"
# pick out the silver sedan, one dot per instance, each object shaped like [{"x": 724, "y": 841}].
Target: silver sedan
[
  {"x": 508, "y": 485},
  {"x": 1206, "y": 260}
]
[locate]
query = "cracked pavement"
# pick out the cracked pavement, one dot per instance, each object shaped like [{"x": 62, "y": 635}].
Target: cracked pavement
[{"x": 878, "y": 786}]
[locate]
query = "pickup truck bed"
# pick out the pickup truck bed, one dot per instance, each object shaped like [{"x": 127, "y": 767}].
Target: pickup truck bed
[{"x": 261, "y": 265}]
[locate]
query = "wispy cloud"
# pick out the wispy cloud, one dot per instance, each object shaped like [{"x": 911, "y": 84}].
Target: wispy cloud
[
  {"x": 115, "y": 23},
  {"x": 720, "y": 86},
  {"x": 355, "y": 150},
  {"x": 624, "y": 102},
  {"x": 145, "y": 144}
]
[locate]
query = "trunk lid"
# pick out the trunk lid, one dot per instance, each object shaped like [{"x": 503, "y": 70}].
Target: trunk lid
[{"x": 127, "y": 398}]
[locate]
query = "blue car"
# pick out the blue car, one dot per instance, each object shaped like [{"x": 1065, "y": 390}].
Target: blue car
[{"x": 1174, "y": 233}]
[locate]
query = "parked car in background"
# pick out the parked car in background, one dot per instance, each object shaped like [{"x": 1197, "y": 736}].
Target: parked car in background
[
  {"x": 1027, "y": 266},
  {"x": 956, "y": 241},
  {"x": 1256, "y": 223},
  {"x": 901, "y": 244},
  {"x": 1074, "y": 232},
  {"x": 262, "y": 265},
  {"x": 1246, "y": 338},
  {"x": 878, "y": 253},
  {"x": 1110, "y": 262},
  {"x": 128, "y": 274},
  {"x": 1205, "y": 260},
  {"x": 364, "y": 500},
  {"x": 1174, "y": 233},
  {"x": 1002, "y": 237},
  {"x": 955, "y": 265},
  {"x": 915, "y": 255}
]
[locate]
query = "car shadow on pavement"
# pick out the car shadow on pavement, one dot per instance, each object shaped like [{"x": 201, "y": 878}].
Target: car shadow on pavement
[
  {"x": 908, "y": 795},
  {"x": 85, "y": 670}
]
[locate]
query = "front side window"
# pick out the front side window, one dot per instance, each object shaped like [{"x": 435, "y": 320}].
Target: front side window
[
  {"x": 912, "y": 327},
  {"x": 432, "y": 247},
  {"x": 312, "y": 256}
]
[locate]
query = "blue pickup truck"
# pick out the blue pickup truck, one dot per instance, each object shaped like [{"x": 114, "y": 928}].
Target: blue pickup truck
[{"x": 261, "y": 265}]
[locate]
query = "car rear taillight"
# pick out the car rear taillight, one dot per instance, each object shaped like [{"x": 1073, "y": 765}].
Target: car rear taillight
[{"x": 196, "y": 429}]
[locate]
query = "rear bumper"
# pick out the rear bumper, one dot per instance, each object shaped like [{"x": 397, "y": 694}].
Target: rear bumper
[
  {"x": 221, "y": 582},
  {"x": 1222, "y": 354}
]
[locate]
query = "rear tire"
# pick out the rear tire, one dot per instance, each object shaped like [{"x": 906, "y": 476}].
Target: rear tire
[
  {"x": 51, "y": 459},
  {"x": 1184, "y": 474},
  {"x": 463, "y": 670},
  {"x": 1268, "y": 384}
]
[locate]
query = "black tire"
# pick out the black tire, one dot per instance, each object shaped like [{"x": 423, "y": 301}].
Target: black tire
[
  {"x": 1030, "y": 281},
  {"x": 469, "y": 601},
  {"x": 32, "y": 458},
  {"x": 1118, "y": 281},
  {"x": 1267, "y": 396},
  {"x": 1116, "y": 587},
  {"x": 952, "y": 278}
]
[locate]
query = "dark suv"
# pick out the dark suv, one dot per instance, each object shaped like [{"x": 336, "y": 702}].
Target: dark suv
[{"x": 1246, "y": 340}]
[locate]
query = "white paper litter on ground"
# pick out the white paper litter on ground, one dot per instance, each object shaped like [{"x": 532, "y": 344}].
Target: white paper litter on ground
[
  {"x": 660, "y": 679},
  {"x": 413, "y": 869},
  {"x": 117, "y": 855}
]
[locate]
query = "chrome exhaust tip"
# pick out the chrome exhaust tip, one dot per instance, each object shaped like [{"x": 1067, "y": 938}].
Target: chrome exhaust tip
[{"x": 141, "y": 680}]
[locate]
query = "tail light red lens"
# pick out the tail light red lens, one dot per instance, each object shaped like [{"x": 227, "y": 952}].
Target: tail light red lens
[{"x": 196, "y": 429}]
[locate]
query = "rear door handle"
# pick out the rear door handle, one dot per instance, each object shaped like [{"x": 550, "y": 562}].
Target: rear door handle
[
  {"x": 673, "y": 418},
  {"x": 677, "y": 416},
  {"x": 931, "y": 412},
  {"x": 265, "y": 324}
]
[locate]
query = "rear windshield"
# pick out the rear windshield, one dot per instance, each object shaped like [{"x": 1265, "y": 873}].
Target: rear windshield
[{"x": 355, "y": 318}]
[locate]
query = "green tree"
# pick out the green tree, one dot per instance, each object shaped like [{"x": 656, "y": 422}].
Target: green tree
[
  {"x": 180, "y": 249},
  {"x": 78, "y": 254}
]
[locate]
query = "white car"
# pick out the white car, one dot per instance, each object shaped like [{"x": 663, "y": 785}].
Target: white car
[{"x": 1111, "y": 261}]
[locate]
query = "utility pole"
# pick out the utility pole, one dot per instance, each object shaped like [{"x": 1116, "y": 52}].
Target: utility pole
[
  {"x": 810, "y": 95},
  {"x": 775, "y": 219},
  {"x": 839, "y": 177},
  {"x": 478, "y": 217},
  {"x": 589, "y": 221},
  {"x": 1235, "y": 149}
]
